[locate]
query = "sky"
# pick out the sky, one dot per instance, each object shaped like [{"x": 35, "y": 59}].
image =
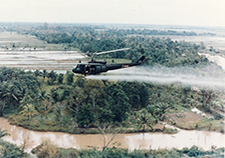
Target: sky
[{"x": 157, "y": 12}]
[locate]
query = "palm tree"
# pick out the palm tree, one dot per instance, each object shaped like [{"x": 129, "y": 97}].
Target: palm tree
[
  {"x": 44, "y": 74},
  {"x": 43, "y": 104},
  {"x": 145, "y": 120},
  {"x": 16, "y": 73},
  {"x": 161, "y": 108},
  {"x": 28, "y": 110},
  {"x": 2, "y": 91},
  {"x": 43, "y": 96},
  {"x": 11, "y": 93},
  {"x": 26, "y": 100},
  {"x": 3, "y": 133}
]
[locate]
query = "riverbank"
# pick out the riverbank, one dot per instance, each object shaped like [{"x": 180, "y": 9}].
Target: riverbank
[
  {"x": 195, "y": 121},
  {"x": 186, "y": 120},
  {"x": 180, "y": 117},
  {"x": 32, "y": 139},
  {"x": 50, "y": 126},
  {"x": 47, "y": 149},
  {"x": 10, "y": 150}
]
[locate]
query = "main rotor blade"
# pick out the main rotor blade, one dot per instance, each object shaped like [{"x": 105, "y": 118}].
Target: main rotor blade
[{"x": 116, "y": 50}]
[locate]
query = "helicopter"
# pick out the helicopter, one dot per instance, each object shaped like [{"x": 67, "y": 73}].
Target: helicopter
[{"x": 94, "y": 67}]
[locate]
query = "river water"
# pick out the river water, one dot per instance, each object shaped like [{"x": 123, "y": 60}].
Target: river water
[{"x": 203, "y": 139}]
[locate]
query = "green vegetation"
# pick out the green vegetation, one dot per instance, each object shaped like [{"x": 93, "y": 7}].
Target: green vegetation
[
  {"x": 48, "y": 150},
  {"x": 71, "y": 104},
  {"x": 158, "y": 51},
  {"x": 10, "y": 150},
  {"x": 47, "y": 101}
]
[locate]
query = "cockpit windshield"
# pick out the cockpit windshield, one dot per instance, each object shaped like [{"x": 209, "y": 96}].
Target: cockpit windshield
[{"x": 77, "y": 66}]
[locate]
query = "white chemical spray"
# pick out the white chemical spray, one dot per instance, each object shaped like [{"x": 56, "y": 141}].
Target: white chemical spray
[{"x": 206, "y": 76}]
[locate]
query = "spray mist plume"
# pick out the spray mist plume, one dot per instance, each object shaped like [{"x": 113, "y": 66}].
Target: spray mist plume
[{"x": 186, "y": 76}]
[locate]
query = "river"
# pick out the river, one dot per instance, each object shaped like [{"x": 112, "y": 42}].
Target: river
[{"x": 203, "y": 139}]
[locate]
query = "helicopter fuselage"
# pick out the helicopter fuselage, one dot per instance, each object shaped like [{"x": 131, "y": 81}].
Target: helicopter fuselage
[
  {"x": 95, "y": 67},
  {"x": 89, "y": 68}
]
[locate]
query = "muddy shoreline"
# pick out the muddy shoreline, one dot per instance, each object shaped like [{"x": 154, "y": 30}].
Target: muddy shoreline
[{"x": 203, "y": 139}]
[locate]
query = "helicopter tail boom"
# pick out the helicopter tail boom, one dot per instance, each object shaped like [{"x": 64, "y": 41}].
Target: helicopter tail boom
[{"x": 140, "y": 60}]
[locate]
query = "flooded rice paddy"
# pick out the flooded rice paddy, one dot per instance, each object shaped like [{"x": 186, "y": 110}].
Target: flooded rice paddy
[{"x": 32, "y": 60}]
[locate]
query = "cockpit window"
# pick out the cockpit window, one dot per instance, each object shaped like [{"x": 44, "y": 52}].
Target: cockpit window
[{"x": 77, "y": 67}]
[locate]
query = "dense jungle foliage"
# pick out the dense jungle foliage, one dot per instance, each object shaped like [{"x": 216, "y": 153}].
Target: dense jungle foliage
[
  {"x": 43, "y": 101},
  {"x": 47, "y": 101}
]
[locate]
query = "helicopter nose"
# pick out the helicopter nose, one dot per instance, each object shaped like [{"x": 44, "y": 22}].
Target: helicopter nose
[{"x": 73, "y": 70}]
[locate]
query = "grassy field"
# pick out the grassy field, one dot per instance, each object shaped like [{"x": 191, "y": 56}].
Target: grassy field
[{"x": 14, "y": 41}]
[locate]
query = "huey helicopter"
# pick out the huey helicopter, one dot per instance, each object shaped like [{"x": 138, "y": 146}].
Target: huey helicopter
[{"x": 94, "y": 67}]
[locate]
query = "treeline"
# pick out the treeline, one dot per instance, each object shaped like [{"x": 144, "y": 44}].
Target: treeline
[
  {"x": 157, "y": 51},
  {"x": 163, "y": 51},
  {"x": 118, "y": 30},
  {"x": 68, "y": 103},
  {"x": 154, "y": 32}
]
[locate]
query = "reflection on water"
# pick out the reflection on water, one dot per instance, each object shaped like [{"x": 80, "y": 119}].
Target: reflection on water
[
  {"x": 183, "y": 139},
  {"x": 216, "y": 59},
  {"x": 215, "y": 41},
  {"x": 203, "y": 139},
  {"x": 50, "y": 60}
]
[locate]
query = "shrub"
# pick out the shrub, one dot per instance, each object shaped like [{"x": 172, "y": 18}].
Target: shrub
[
  {"x": 194, "y": 151},
  {"x": 170, "y": 130},
  {"x": 10, "y": 150},
  {"x": 218, "y": 117}
]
